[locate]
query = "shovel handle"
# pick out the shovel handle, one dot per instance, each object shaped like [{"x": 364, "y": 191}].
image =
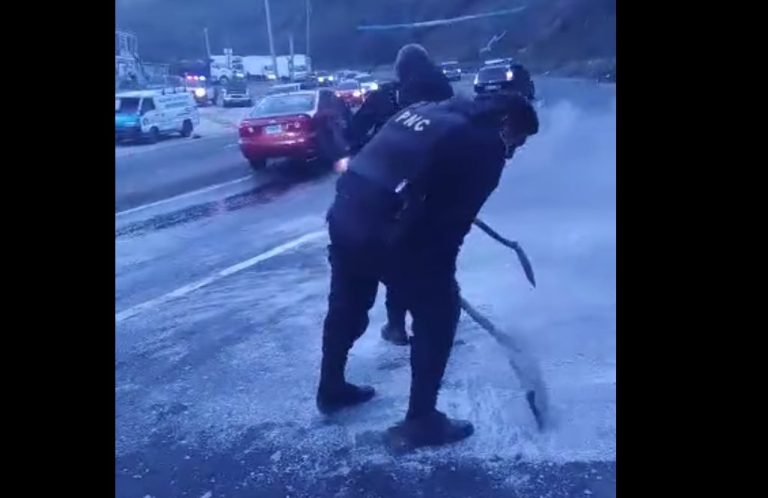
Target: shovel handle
[{"x": 512, "y": 244}]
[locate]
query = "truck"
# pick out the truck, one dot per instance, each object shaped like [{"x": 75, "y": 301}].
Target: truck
[
  {"x": 260, "y": 67},
  {"x": 224, "y": 68},
  {"x": 302, "y": 65},
  {"x": 195, "y": 77},
  {"x": 256, "y": 66}
]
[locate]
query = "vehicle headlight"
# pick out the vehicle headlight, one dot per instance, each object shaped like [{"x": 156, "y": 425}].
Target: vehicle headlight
[
  {"x": 374, "y": 86},
  {"x": 356, "y": 93},
  {"x": 477, "y": 80},
  {"x": 331, "y": 78},
  {"x": 202, "y": 78},
  {"x": 510, "y": 75},
  {"x": 200, "y": 92},
  {"x": 321, "y": 79},
  {"x": 271, "y": 77}
]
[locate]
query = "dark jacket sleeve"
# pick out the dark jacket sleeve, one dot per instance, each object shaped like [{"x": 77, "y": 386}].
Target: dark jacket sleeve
[
  {"x": 376, "y": 110},
  {"x": 473, "y": 162},
  {"x": 331, "y": 142}
]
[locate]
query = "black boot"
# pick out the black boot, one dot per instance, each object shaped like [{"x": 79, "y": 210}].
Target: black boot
[
  {"x": 330, "y": 400},
  {"x": 394, "y": 334},
  {"x": 433, "y": 429}
]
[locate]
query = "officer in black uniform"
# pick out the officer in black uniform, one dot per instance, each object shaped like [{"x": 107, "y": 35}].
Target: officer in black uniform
[
  {"x": 400, "y": 215},
  {"x": 418, "y": 80}
]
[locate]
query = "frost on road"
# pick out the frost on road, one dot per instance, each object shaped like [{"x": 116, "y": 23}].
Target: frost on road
[{"x": 215, "y": 387}]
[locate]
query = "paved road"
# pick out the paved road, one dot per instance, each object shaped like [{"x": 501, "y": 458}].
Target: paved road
[
  {"x": 145, "y": 174},
  {"x": 179, "y": 166},
  {"x": 220, "y": 296}
]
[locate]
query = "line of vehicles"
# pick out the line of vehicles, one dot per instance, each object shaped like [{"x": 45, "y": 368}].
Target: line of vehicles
[
  {"x": 298, "y": 120},
  {"x": 259, "y": 67},
  {"x": 302, "y": 124}
]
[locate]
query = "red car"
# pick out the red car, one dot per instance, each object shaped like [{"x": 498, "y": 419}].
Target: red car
[
  {"x": 297, "y": 125},
  {"x": 351, "y": 92}
]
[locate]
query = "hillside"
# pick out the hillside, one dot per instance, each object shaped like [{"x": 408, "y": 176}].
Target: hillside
[{"x": 575, "y": 37}]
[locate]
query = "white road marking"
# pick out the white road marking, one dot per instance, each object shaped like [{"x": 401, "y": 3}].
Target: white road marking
[
  {"x": 183, "y": 196},
  {"x": 186, "y": 289}
]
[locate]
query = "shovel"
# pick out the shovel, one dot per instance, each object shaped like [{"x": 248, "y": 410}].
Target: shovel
[{"x": 526, "y": 367}]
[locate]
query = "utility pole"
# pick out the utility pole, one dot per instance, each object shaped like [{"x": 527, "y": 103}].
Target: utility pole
[
  {"x": 309, "y": 15},
  {"x": 207, "y": 43},
  {"x": 271, "y": 40},
  {"x": 290, "y": 44}
]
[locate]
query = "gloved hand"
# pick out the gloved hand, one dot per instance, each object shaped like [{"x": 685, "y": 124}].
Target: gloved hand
[{"x": 341, "y": 165}]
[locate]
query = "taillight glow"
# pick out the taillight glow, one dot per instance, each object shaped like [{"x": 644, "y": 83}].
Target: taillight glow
[
  {"x": 300, "y": 124},
  {"x": 246, "y": 130}
]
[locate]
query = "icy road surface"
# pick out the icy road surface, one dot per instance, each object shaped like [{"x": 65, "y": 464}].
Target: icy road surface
[{"x": 219, "y": 304}]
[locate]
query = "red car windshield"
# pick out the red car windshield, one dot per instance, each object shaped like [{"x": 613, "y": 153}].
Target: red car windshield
[{"x": 277, "y": 105}]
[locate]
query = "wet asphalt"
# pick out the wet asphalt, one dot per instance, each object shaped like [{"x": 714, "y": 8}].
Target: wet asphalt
[{"x": 215, "y": 374}]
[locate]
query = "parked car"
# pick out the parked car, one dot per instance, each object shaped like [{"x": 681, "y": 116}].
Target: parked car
[
  {"x": 235, "y": 93},
  {"x": 509, "y": 76},
  {"x": 303, "y": 125},
  {"x": 368, "y": 83},
  {"x": 146, "y": 115},
  {"x": 451, "y": 70},
  {"x": 351, "y": 92}
]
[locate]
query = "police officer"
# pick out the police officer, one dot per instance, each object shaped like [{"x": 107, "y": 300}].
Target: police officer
[
  {"x": 418, "y": 80},
  {"x": 400, "y": 215}
]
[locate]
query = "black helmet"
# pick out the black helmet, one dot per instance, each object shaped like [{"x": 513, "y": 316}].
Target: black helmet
[
  {"x": 412, "y": 59},
  {"x": 514, "y": 110},
  {"x": 419, "y": 77}
]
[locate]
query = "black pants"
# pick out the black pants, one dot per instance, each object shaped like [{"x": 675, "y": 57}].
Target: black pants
[
  {"x": 428, "y": 291},
  {"x": 395, "y": 309}
]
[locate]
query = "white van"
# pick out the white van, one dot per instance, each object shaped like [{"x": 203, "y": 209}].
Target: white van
[{"x": 148, "y": 114}]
